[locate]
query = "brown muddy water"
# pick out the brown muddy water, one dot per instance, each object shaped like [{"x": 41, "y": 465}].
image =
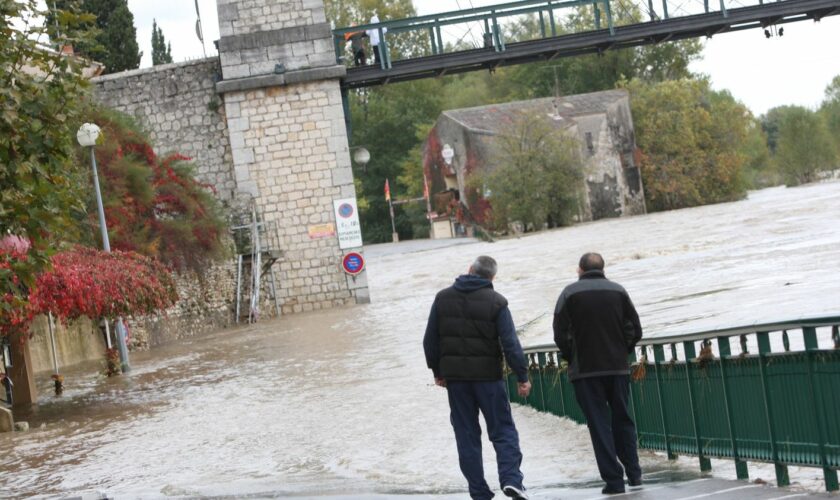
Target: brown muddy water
[{"x": 340, "y": 402}]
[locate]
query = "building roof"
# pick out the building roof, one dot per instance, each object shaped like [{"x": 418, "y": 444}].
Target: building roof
[{"x": 496, "y": 118}]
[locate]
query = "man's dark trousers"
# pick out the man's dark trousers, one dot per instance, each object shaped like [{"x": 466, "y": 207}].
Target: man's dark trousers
[
  {"x": 465, "y": 401},
  {"x": 604, "y": 403}
]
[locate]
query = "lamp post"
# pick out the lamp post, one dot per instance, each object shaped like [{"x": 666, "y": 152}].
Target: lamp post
[
  {"x": 87, "y": 135},
  {"x": 361, "y": 156}
]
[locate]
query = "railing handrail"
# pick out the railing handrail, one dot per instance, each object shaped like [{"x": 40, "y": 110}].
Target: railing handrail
[
  {"x": 723, "y": 332},
  {"x": 500, "y": 10}
]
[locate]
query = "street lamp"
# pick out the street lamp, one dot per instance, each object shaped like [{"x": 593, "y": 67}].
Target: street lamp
[
  {"x": 87, "y": 136},
  {"x": 361, "y": 156}
]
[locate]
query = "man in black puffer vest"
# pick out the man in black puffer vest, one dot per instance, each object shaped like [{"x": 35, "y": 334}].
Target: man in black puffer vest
[
  {"x": 469, "y": 329},
  {"x": 595, "y": 328}
]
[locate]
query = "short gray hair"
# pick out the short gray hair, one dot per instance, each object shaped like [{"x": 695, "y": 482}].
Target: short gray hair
[{"x": 485, "y": 267}]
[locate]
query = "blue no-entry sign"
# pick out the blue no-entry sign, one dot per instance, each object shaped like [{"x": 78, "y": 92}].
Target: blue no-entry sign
[{"x": 353, "y": 263}]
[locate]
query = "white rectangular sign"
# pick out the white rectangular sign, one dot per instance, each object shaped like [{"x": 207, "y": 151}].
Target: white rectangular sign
[{"x": 347, "y": 223}]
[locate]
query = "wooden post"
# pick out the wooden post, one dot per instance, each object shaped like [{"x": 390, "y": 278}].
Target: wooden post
[{"x": 24, "y": 392}]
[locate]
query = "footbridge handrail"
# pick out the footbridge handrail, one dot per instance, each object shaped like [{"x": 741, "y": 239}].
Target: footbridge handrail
[
  {"x": 490, "y": 15},
  {"x": 774, "y": 398}
]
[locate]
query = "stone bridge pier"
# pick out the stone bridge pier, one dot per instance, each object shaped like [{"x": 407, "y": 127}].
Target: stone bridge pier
[{"x": 288, "y": 141}]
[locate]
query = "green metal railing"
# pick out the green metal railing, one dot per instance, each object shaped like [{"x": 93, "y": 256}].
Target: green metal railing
[
  {"x": 491, "y": 17},
  {"x": 694, "y": 396}
]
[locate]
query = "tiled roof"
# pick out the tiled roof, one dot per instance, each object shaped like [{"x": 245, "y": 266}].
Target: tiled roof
[{"x": 496, "y": 118}]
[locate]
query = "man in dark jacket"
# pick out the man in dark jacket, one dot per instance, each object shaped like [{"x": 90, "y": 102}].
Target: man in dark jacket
[
  {"x": 469, "y": 329},
  {"x": 595, "y": 328}
]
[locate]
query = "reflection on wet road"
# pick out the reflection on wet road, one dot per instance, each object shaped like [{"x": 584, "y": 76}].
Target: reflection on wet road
[{"x": 340, "y": 402}]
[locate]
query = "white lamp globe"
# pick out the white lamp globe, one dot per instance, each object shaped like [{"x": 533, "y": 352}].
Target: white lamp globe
[
  {"x": 361, "y": 156},
  {"x": 87, "y": 134}
]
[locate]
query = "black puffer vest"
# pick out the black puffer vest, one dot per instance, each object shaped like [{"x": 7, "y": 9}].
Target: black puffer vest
[{"x": 469, "y": 342}]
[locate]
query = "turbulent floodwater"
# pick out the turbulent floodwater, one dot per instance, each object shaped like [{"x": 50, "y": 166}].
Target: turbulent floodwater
[{"x": 341, "y": 402}]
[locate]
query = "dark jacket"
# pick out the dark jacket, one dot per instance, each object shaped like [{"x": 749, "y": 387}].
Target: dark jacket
[
  {"x": 470, "y": 327},
  {"x": 595, "y": 327}
]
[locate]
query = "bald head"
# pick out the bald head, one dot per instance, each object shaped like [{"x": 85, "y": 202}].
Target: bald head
[{"x": 591, "y": 261}]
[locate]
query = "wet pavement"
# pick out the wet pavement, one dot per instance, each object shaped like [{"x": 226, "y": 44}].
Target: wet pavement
[{"x": 340, "y": 403}]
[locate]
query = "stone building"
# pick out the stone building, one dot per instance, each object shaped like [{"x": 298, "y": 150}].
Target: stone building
[
  {"x": 601, "y": 122},
  {"x": 264, "y": 123}
]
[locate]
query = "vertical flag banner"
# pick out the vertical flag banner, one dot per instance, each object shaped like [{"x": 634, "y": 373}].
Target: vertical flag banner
[{"x": 387, "y": 191}]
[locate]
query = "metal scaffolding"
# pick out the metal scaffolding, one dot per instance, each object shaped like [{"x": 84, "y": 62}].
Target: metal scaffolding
[{"x": 257, "y": 249}]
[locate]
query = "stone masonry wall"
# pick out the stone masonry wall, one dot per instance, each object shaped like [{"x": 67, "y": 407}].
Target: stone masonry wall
[
  {"x": 179, "y": 106},
  {"x": 256, "y": 35},
  {"x": 290, "y": 143},
  {"x": 289, "y": 139}
]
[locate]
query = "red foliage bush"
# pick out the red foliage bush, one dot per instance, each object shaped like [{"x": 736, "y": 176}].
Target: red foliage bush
[
  {"x": 15, "y": 311},
  {"x": 96, "y": 284},
  {"x": 153, "y": 205}
]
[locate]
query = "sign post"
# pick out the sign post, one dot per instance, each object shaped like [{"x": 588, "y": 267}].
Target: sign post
[{"x": 347, "y": 223}]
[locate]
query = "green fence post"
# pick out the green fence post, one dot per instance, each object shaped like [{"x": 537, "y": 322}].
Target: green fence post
[
  {"x": 815, "y": 388},
  {"x": 665, "y": 8},
  {"x": 608, "y": 12},
  {"x": 541, "y": 368},
  {"x": 560, "y": 387},
  {"x": 384, "y": 56},
  {"x": 651, "y": 11},
  {"x": 659, "y": 357},
  {"x": 632, "y": 398},
  {"x": 597, "y": 15},
  {"x": 542, "y": 24},
  {"x": 782, "y": 476},
  {"x": 439, "y": 37},
  {"x": 551, "y": 21},
  {"x": 740, "y": 466},
  {"x": 690, "y": 354},
  {"x": 432, "y": 38},
  {"x": 723, "y": 9}
]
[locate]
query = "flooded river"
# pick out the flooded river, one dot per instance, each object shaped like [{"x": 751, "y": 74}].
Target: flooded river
[{"x": 340, "y": 402}]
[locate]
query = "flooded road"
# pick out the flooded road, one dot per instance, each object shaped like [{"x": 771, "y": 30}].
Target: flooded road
[{"x": 340, "y": 402}]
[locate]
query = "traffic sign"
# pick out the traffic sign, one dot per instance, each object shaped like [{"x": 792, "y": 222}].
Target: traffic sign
[{"x": 353, "y": 263}]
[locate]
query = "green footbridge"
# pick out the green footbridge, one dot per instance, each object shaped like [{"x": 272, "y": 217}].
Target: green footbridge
[{"x": 760, "y": 393}]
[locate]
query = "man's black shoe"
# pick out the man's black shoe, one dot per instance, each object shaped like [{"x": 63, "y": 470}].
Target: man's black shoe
[
  {"x": 515, "y": 493},
  {"x": 634, "y": 483},
  {"x": 608, "y": 490}
]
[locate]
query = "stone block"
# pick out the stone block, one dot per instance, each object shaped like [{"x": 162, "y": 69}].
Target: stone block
[
  {"x": 250, "y": 56},
  {"x": 243, "y": 156},
  {"x": 362, "y": 295},
  {"x": 7, "y": 421},
  {"x": 228, "y": 12},
  {"x": 342, "y": 176},
  {"x": 237, "y": 71}
]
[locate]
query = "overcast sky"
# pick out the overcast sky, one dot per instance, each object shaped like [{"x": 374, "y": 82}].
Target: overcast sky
[{"x": 760, "y": 72}]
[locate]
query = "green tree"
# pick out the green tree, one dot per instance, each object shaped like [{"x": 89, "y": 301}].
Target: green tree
[
  {"x": 115, "y": 42},
  {"x": 41, "y": 94},
  {"x": 803, "y": 145},
  {"x": 691, "y": 138},
  {"x": 760, "y": 171},
  {"x": 384, "y": 120},
  {"x": 538, "y": 177},
  {"x": 153, "y": 205},
  {"x": 161, "y": 51},
  {"x": 590, "y": 73},
  {"x": 830, "y": 111}
]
